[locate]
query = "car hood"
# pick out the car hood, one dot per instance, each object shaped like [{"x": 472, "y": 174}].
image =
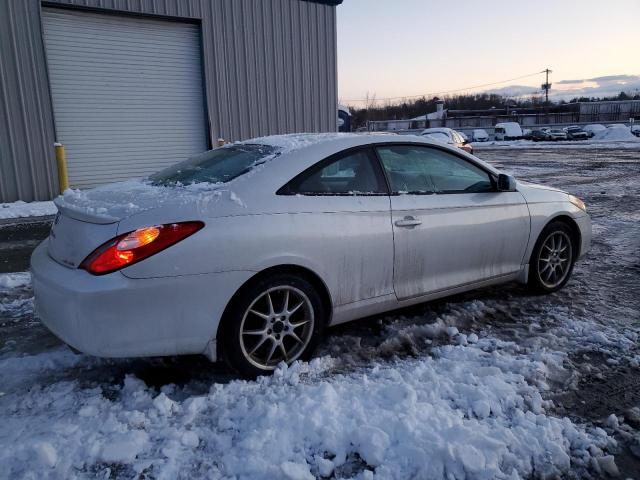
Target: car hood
[
  {"x": 115, "y": 202},
  {"x": 534, "y": 193}
]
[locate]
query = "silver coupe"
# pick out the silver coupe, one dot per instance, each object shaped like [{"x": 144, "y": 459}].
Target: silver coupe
[{"x": 248, "y": 252}]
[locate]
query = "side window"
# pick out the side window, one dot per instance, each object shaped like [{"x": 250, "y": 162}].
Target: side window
[
  {"x": 424, "y": 170},
  {"x": 351, "y": 174}
]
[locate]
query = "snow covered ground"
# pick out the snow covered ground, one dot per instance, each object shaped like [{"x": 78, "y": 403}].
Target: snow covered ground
[
  {"x": 491, "y": 384},
  {"x": 26, "y": 209}
]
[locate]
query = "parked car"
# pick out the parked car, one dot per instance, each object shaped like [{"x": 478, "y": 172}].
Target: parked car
[
  {"x": 508, "y": 131},
  {"x": 248, "y": 252},
  {"x": 526, "y": 133},
  {"x": 480, "y": 135},
  {"x": 344, "y": 119},
  {"x": 557, "y": 134},
  {"x": 635, "y": 129},
  {"x": 593, "y": 129},
  {"x": 540, "y": 135},
  {"x": 576, "y": 133},
  {"x": 448, "y": 136}
]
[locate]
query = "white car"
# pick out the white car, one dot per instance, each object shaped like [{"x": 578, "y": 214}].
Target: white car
[
  {"x": 448, "y": 136},
  {"x": 557, "y": 134},
  {"x": 480, "y": 135},
  {"x": 249, "y": 251}
]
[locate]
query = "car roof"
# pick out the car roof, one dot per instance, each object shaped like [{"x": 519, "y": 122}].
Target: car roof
[
  {"x": 296, "y": 142},
  {"x": 297, "y": 152}
]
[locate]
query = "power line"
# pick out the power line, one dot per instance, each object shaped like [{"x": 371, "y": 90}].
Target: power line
[{"x": 444, "y": 91}]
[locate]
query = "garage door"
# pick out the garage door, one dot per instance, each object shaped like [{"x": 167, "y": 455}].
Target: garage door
[{"x": 127, "y": 93}]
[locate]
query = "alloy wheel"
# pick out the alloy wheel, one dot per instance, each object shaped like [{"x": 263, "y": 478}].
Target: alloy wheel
[
  {"x": 554, "y": 259},
  {"x": 277, "y": 326}
]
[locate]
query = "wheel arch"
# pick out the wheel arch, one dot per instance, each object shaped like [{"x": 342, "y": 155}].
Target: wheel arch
[
  {"x": 291, "y": 269},
  {"x": 576, "y": 235}
]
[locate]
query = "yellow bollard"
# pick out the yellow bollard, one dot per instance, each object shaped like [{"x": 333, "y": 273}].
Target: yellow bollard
[{"x": 63, "y": 178}]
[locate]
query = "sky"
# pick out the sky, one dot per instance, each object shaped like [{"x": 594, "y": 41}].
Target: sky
[{"x": 395, "y": 48}]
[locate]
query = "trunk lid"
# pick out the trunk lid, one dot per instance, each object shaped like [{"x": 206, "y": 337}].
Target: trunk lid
[
  {"x": 88, "y": 218},
  {"x": 72, "y": 239}
]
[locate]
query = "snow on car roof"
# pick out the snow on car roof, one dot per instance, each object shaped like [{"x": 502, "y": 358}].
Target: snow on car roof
[{"x": 298, "y": 141}]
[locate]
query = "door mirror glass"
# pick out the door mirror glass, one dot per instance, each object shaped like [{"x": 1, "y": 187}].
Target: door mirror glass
[{"x": 506, "y": 183}]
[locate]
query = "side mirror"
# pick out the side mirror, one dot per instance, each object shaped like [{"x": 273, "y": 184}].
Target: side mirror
[{"x": 506, "y": 183}]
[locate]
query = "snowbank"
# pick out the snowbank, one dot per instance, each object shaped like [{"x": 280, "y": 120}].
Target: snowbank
[
  {"x": 14, "y": 280},
  {"x": 469, "y": 411},
  {"x": 22, "y": 209},
  {"x": 615, "y": 133}
]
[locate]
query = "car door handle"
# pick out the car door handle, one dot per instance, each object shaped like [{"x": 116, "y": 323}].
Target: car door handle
[{"x": 408, "y": 222}]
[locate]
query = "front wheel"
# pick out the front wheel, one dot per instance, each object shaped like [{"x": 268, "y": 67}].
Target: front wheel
[
  {"x": 278, "y": 319},
  {"x": 552, "y": 259}
]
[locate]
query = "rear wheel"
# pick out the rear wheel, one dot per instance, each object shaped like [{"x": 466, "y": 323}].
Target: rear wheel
[
  {"x": 552, "y": 259},
  {"x": 278, "y": 319}
]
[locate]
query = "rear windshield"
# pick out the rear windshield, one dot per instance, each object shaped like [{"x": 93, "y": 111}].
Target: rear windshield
[
  {"x": 440, "y": 136},
  {"x": 215, "y": 166}
]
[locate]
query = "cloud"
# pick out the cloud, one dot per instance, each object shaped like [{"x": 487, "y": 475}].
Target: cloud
[
  {"x": 515, "y": 90},
  {"x": 608, "y": 85}
]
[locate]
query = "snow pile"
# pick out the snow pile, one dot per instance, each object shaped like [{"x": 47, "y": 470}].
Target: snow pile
[
  {"x": 22, "y": 209},
  {"x": 615, "y": 133},
  {"x": 14, "y": 280},
  {"x": 469, "y": 412}
]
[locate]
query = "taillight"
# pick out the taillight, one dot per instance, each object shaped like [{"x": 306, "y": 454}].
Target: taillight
[{"x": 131, "y": 247}]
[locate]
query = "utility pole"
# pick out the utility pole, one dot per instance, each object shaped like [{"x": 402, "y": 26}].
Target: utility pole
[{"x": 546, "y": 86}]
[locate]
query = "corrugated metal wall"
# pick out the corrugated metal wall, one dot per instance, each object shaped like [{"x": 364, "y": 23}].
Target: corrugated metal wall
[
  {"x": 27, "y": 162},
  {"x": 269, "y": 67}
]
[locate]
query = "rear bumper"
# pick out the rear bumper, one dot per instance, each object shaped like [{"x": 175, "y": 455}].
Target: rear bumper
[{"x": 115, "y": 316}]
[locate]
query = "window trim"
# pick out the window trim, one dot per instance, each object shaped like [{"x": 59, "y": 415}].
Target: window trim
[
  {"x": 375, "y": 163},
  {"x": 492, "y": 175}
]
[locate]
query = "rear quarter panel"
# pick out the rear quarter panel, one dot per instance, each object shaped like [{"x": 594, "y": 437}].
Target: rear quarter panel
[{"x": 351, "y": 251}]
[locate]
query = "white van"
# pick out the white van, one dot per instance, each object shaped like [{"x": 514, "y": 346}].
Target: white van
[{"x": 508, "y": 131}]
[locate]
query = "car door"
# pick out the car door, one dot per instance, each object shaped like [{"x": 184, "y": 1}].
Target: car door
[
  {"x": 451, "y": 226},
  {"x": 344, "y": 223}
]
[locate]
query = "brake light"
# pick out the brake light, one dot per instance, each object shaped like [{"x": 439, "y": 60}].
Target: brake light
[{"x": 131, "y": 247}]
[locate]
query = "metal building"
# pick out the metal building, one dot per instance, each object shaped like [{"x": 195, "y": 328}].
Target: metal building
[{"x": 130, "y": 86}]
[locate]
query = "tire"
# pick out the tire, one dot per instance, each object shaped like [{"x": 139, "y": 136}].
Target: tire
[
  {"x": 260, "y": 330},
  {"x": 552, "y": 259}
]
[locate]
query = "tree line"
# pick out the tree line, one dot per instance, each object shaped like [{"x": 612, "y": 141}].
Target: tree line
[{"x": 372, "y": 110}]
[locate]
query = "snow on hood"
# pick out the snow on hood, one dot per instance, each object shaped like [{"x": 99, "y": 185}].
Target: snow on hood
[{"x": 113, "y": 202}]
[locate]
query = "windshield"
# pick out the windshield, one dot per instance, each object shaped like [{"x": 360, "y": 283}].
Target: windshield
[{"x": 215, "y": 166}]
